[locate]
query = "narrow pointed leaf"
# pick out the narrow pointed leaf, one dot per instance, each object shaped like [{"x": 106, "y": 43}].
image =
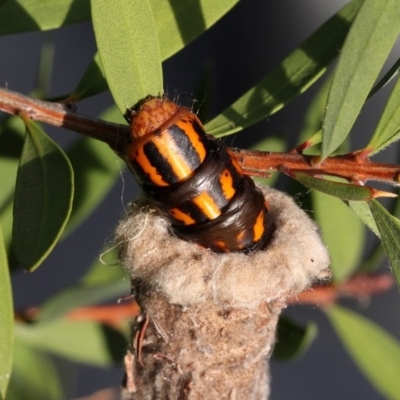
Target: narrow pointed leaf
[
  {"x": 345, "y": 191},
  {"x": 388, "y": 129},
  {"x": 127, "y": 41},
  {"x": 177, "y": 23},
  {"x": 342, "y": 232},
  {"x": 293, "y": 339},
  {"x": 375, "y": 351},
  {"x": 99, "y": 169},
  {"x": 102, "y": 282},
  {"x": 23, "y": 16},
  {"x": 34, "y": 375},
  {"x": 11, "y": 140},
  {"x": 362, "y": 209},
  {"x": 367, "y": 46},
  {"x": 311, "y": 133},
  {"x": 389, "y": 228},
  {"x": 313, "y": 140},
  {"x": 79, "y": 341},
  {"x": 292, "y": 77},
  {"x": 391, "y": 74},
  {"x": 43, "y": 197},
  {"x": 7, "y": 321},
  {"x": 6, "y": 220},
  {"x": 80, "y": 296},
  {"x": 180, "y": 22},
  {"x": 92, "y": 82}
]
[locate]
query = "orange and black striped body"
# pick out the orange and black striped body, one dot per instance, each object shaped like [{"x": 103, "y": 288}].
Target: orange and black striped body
[{"x": 193, "y": 181}]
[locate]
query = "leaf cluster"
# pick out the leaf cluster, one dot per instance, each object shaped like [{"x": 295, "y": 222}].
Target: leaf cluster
[{"x": 48, "y": 191}]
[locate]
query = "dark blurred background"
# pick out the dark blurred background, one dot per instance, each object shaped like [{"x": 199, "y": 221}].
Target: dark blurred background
[{"x": 239, "y": 50}]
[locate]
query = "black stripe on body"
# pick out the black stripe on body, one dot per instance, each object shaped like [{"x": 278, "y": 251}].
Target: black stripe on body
[
  {"x": 240, "y": 215},
  {"x": 159, "y": 163},
  {"x": 190, "y": 209},
  {"x": 141, "y": 175},
  {"x": 184, "y": 146},
  {"x": 206, "y": 179}
]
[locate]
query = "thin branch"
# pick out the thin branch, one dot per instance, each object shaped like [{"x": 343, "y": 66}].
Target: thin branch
[
  {"x": 361, "y": 287},
  {"x": 113, "y": 315},
  {"x": 351, "y": 166},
  {"x": 63, "y": 115}
]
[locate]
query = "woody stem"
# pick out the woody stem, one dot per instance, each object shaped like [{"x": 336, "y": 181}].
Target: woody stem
[{"x": 255, "y": 163}]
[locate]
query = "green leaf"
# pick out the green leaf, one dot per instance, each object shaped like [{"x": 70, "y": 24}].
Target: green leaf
[
  {"x": 34, "y": 375},
  {"x": 106, "y": 269},
  {"x": 92, "y": 82},
  {"x": 367, "y": 46},
  {"x": 180, "y": 22},
  {"x": 81, "y": 295},
  {"x": 6, "y": 220},
  {"x": 270, "y": 143},
  {"x": 375, "y": 351},
  {"x": 362, "y": 209},
  {"x": 295, "y": 74},
  {"x": 127, "y": 41},
  {"x": 31, "y": 15},
  {"x": 99, "y": 169},
  {"x": 177, "y": 22},
  {"x": 313, "y": 118},
  {"x": 389, "y": 228},
  {"x": 391, "y": 74},
  {"x": 46, "y": 67},
  {"x": 337, "y": 189},
  {"x": 293, "y": 340},
  {"x": 7, "y": 321},
  {"x": 104, "y": 280},
  {"x": 342, "y": 232},
  {"x": 78, "y": 341},
  {"x": 11, "y": 141},
  {"x": 388, "y": 130},
  {"x": 345, "y": 191},
  {"x": 43, "y": 197}
]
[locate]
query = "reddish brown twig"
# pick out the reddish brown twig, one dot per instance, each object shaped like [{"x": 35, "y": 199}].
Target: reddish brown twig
[
  {"x": 59, "y": 114},
  {"x": 360, "y": 287},
  {"x": 349, "y": 166},
  {"x": 114, "y": 314},
  {"x": 353, "y": 167}
]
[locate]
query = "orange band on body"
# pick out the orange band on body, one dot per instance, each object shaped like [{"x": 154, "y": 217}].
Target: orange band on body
[
  {"x": 207, "y": 205},
  {"x": 258, "y": 227},
  {"x": 226, "y": 182},
  {"x": 181, "y": 216},
  {"x": 166, "y": 147}
]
